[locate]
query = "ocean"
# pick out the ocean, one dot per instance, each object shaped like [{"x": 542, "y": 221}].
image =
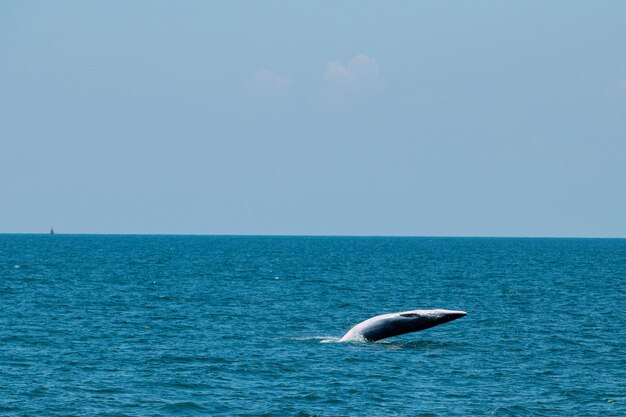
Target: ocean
[{"x": 248, "y": 326}]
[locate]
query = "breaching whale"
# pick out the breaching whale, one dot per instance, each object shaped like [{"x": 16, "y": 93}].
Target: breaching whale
[{"x": 394, "y": 324}]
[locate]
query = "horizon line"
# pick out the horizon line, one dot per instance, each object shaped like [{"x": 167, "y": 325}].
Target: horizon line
[{"x": 314, "y": 235}]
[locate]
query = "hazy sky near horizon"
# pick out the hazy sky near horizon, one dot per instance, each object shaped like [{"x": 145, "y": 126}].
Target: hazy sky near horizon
[{"x": 479, "y": 118}]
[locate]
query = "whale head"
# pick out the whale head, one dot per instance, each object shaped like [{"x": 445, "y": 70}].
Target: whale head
[
  {"x": 415, "y": 320},
  {"x": 438, "y": 316}
]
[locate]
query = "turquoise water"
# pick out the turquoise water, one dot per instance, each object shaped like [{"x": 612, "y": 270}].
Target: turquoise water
[{"x": 182, "y": 325}]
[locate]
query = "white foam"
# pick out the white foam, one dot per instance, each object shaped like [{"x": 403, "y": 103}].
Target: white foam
[{"x": 322, "y": 339}]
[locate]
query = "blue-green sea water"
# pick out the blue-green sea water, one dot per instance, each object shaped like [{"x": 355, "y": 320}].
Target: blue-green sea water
[{"x": 248, "y": 326}]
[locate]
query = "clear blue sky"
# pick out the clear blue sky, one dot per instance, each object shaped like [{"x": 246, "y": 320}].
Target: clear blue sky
[{"x": 281, "y": 117}]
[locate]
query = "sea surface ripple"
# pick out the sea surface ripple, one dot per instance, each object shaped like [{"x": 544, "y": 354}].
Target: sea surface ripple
[{"x": 244, "y": 326}]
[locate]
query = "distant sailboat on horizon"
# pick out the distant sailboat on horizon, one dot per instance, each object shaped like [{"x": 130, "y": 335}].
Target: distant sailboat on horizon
[{"x": 51, "y": 231}]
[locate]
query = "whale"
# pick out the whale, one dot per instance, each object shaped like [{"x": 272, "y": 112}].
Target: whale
[{"x": 395, "y": 324}]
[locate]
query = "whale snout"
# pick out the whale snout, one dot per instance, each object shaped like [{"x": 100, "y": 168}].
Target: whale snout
[
  {"x": 449, "y": 315},
  {"x": 457, "y": 314},
  {"x": 454, "y": 314}
]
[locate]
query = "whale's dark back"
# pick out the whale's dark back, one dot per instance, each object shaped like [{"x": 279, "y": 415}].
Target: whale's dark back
[{"x": 402, "y": 324}]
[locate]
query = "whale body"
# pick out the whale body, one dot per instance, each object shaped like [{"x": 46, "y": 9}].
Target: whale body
[{"x": 395, "y": 324}]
